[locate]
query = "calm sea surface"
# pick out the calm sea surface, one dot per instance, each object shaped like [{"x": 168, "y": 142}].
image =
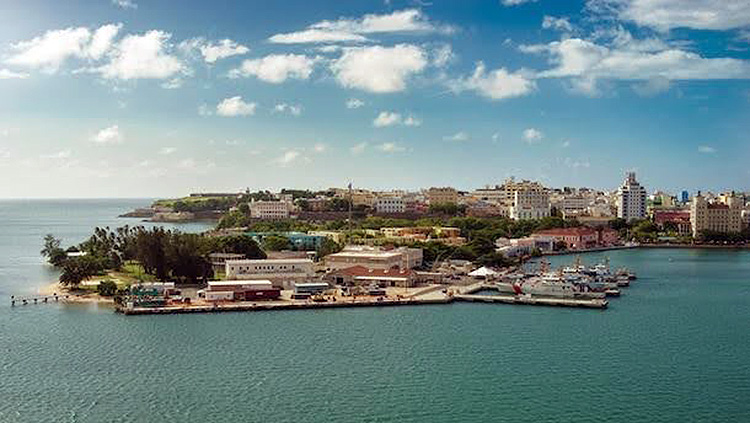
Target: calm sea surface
[{"x": 674, "y": 348}]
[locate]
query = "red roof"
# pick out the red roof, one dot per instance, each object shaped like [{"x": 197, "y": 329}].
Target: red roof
[{"x": 577, "y": 231}]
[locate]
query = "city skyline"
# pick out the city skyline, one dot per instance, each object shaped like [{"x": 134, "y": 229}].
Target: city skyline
[{"x": 129, "y": 98}]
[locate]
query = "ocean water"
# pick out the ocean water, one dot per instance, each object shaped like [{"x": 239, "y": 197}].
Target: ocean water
[{"x": 674, "y": 348}]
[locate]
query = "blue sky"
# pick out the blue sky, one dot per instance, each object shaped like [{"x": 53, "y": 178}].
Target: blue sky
[{"x": 154, "y": 98}]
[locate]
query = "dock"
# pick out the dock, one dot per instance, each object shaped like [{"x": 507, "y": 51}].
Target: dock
[
  {"x": 529, "y": 300},
  {"x": 36, "y": 299}
]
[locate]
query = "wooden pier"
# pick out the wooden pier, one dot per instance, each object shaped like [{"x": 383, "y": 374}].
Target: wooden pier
[{"x": 37, "y": 299}]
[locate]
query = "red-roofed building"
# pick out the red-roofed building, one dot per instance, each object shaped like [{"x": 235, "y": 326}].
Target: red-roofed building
[
  {"x": 580, "y": 237},
  {"x": 678, "y": 218}
]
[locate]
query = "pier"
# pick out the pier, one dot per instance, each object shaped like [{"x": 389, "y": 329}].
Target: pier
[
  {"x": 36, "y": 299},
  {"x": 529, "y": 300}
]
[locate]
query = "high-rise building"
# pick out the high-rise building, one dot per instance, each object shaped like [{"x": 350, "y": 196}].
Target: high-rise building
[
  {"x": 631, "y": 199},
  {"x": 685, "y": 197}
]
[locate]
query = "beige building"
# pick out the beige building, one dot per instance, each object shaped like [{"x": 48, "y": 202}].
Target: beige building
[
  {"x": 375, "y": 258},
  {"x": 530, "y": 202},
  {"x": 441, "y": 195},
  {"x": 270, "y": 209},
  {"x": 281, "y": 272},
  {"x": 723, "y": 214}
]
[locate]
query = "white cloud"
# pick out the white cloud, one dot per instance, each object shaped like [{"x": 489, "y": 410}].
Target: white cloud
[
  {"x": 102, "y": 40},
  {"x": 498, "y": 84},
  {"x": 63, "y": 154},
  {"x": 166, "y": 151},
  {"x": 235, "y": 106},
  {"x": 652, "y": 87},
  {"x": 443, "y": 55},
  {"x": 292, "y": 109},
  {"x": 276, "y": 68},
  {"x": 214, "y": 51},
  {"x": 205, "y": 110},
  {"x": 412, "y": 121},
  {"x": 142, "y": 56},
  {"x": 386, "y": 119},
  {"x": 559, "y": 24},
  {"x": 125, "y": 4},
  {"x": 532, "y": 136},
  {"x": 458, "y": 136},
  {"x": 565, "y": 144},
  {"x": 515, "y": 2},
  {"x": 576, "y": 164},
  {"x": 354, "y": 103},
  {"x": 706, "y": 149},
  {"x": 390, "y": 147},
  {"x": 9, "y": 74},
  {"x": 109, "y": 135},
  {"x": 288, "y": 157},
  {"x": 574, "y": 57},
  {"x": 312, "y": 35},
  {"x": 358, "y": 148},
  {"x": 667, "y": 14},
  {"x": 319, "y": 148},
  {"x": 352, "y": 30},
  {"x": 379, "y": 69},
  {"x": 496, "y": 137},
  {"x": 50, "y": 50}
]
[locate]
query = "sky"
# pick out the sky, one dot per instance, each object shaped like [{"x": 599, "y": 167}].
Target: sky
[{"x": 151, "y": 98}]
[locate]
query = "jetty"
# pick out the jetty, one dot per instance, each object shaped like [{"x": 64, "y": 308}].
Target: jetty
[
  {"x": 529, "y": 300},
  {"x": 37, "y": 299}
]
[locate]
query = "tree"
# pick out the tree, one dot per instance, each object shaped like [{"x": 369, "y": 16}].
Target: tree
[
  {"x": 328, "y": 246},
  {"x": 276, "y": 243},
  {"x": 77, "y": 269},
  {"x": 239, "y": 244},
  {"x": 55, "y": 255},
  {"x": 107, "y": 288}
]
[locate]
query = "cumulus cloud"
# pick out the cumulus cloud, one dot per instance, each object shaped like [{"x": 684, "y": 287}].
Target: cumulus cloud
[
  {"x": 109, "y": 135},
  {"x": 354, "y": 103},
  {"x": 532, "y": 136},
  {"x": 292, "y": 109},
  {"x": 498, "y": 84},
  {"x": 142, "y": 57},
  {"x": 354, "y": 30},
  {"x": 212, "y": 51},
  {"x": 458, "y": 137},
  {"x": 125, "y": 4},
  {"x": 49, "y": 51},
  {"x": 288, "y": 157},
  {"x": 443, "y": 55},
  {"x": 391, "y": 147},
  {"x": 276, "y": 68},
  {"x": 664, "y": 15},
  {"x": 706, "y": 149},
  {"x": 235, "y": 106},
  {"x": 652, "y": 87},
  {"x": 386, "y": 118},
  {"x": 578, "y": 58},
  {"x": 379, "y": 69},
  {"x": 358, "y": 148},
  {"x": 319, "y": 148},
  {"x": 559, "y": 24},
  {"x": 9, "y": 74}
]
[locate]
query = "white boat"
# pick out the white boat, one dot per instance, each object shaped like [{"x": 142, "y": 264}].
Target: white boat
[{"x": 552, "y": 286}]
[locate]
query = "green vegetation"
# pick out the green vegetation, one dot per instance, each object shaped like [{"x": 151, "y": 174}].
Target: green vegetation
[
  {"x": 197, "y": 204},
  {"x": 276, "y": 243},
  {"x": 107, "y": 288},
  {"x": 448, "y": 209},
  {"x": 139, "y": 254}
]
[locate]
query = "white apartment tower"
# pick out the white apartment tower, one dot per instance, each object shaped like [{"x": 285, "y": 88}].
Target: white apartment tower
[{"x": 631, "y": 199}]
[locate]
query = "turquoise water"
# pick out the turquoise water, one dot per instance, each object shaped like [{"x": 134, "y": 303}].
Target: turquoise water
[{"x": 673, "y": 348}]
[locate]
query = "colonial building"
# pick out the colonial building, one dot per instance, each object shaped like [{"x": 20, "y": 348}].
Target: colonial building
[
  {"x": 530, "y": 202},
  {"x": 388, "y": 205},
  {"x": 442, "y": 195},
  {"x": 631, "y": 199},
  {"x": 270, "y": 209},
  {"x": 723, "y": 214}
]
